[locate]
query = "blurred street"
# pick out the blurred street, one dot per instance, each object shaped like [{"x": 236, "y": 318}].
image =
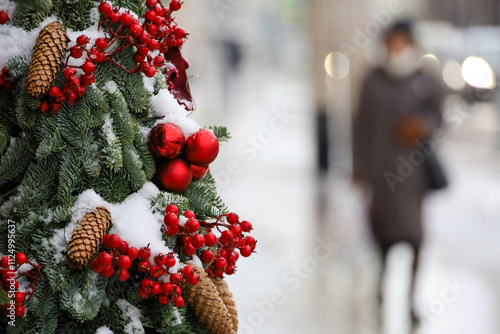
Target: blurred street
[{"x": 316, "y": 268}]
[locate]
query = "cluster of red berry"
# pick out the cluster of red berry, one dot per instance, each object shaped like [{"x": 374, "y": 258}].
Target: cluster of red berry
[
  {"x": 4, "y": 17},
  {"x": 10, "y": 283},
  {"x": 223, "y": 258},
  {"x": 160, "y": 283},
  {"x": 158, "y": 32},
  {"x": 6, "y": 83}
]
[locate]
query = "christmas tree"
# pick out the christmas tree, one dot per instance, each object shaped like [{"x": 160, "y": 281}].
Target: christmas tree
[{"x": 109, "y": 216}]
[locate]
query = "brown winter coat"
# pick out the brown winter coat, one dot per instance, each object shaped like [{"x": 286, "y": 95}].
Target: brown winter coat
[{"x": 392, "y": 169}]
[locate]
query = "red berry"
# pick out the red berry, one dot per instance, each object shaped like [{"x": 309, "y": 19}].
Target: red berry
[
  {"x": 96, "y": 266},
  {"x": 88, "y": 67},
  {"x": 68, "y": 73},
  {"x": 54, "y": 107},
  {"x": 132, "y": 252},
  {"x": 19, "y": 311},
  {"x": 198, "y": 241},
  {"x": 250, "y": 240},
  {"x": 143, "y": 67},
  {"x": 135, "y": 30},
  {"x": 152, "y": 29},
  {"x": 233, "y": 257},
  {"x": 4, "y": 17},
  {"x": 172, "y": 208},
  {"x": 151, "y": 3},
  {"x": 19, "y": 297},
  {"x": 156, "y": 271},
  {"x": 163, "y": 299},
  {"x": 21, "y": 258},
  {"x": 122, "y": 275},
  {"x": 107, "y": 272},
  {"x": 189, "y": 214},
  {"x": 179, "y": 302},
  {"x": 80, "y": 90},
  {"x": 167, "y": 287},
  {"x": 104, "y": 259},
  {"x": 175, "y": 278},
  {"x": 76, "y": 52},
  {"x": 192, "y": 225},
  {"x": 126, "y": 19},
  {"x": 175, "y": 5},
  {"x": 170, "y": 260},
  {"x": 223, "y": 253},
  {"x": 143, "y": 293},
  {"x": 138, "y": 58},
  {"x": 144, "y": 38},
  {"x": 179, "y": 32},
  {"x": 144, "y": 265},
  {"x": 144, "y": 253},
  {"x": 171, "y": 219},
  {"x": 159, "y": 10},
  {"x": 230, "y": 269},
  {"x": 54, "y": 91},
  {"x": 225, "y": 237},
  {"x": 246, "y": 251},
  {"x": 123, "y": 247},
  {"x": 207, "y": 256},
  {"x": 156, "y": 289},
  {"x": 232, "y": 218},
  {"x": 172, "y": 230},
  {"x": 87, "y": 79},
  {"x": 189, "y": 249},
  {"x": 220, "y": 263},
  {"x": 146, "y": 283},
  {"x": 150, "y": 15},
  {"x": 105, "y": 8},
  {"x": 143, "y": 51},
  {"x": 236, "y": 230},
  {"x": 101, "y": 43},
  {"x": 210, "y": 239},
  {"x": 158, "y": 61},
  {"x": 114, "y": 241},
  {"x": 187, "y": 271},
  {"x": 194, "y": 279},
  {"x": 152, "y": 44},
  {"x": 246, "y": 226},
  {"x": 124, "y": 262},
  {"x": 115, "y": 17},
  {"x": 82, "y": 40},
  {"x": 150, "y": 72},
  {"x": 5, "y": 262}
]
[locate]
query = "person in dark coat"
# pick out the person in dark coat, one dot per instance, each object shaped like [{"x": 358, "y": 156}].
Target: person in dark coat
[{"x": 398, "y": 114}]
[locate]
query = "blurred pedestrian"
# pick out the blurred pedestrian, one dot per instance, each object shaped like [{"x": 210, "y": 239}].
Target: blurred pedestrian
[{"x": 394, "y": 147}]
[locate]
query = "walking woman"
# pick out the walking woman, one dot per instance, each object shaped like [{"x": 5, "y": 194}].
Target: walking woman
[{"x": 393, "y": 145}]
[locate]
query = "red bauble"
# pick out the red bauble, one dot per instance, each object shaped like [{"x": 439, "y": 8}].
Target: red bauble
[
  {"x": 202, "y": 148},
  {"x": 174, "y": 175},
  {"x": 166, "y": 140},
  {"x": 199, "y": 172}
]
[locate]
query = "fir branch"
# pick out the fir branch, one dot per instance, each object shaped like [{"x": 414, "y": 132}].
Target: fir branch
[
  {"x": 221, "y": 133},
  {"x": 18, "y": 66},
  {"x": 204, "y": 199},
  {"x": 70, "y": 174},
  {"x": 4, "y": 138},
  {"x": 112, "y": 186},
  {"x": 145, "y": 155},
  {"x": 16, "y": 158},
  {"x": 132, "y": 166}
]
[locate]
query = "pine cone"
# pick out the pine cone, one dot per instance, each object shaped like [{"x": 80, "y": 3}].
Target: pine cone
[
  {"x": 48, "y": 56},
  {"x": 207, "y": 305},
  {"x": 227, "y": 298},
  {"x": 87, "y": 237}
]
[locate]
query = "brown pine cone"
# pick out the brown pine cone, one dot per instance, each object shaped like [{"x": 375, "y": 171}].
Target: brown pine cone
[
  {"x": 207, "y": 305},
  {"x": 48, "y": 56},
  {"x": 87, "y": 237},
  {"x": 227, "y": 298}
]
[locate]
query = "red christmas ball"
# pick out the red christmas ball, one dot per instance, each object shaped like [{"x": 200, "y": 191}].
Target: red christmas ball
[
  {"x": 174, "y": 175},
  {"x": 202, "y": 148},
  {"x": 166, "y": 140},
  {"x": 199, "y": 172}
]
